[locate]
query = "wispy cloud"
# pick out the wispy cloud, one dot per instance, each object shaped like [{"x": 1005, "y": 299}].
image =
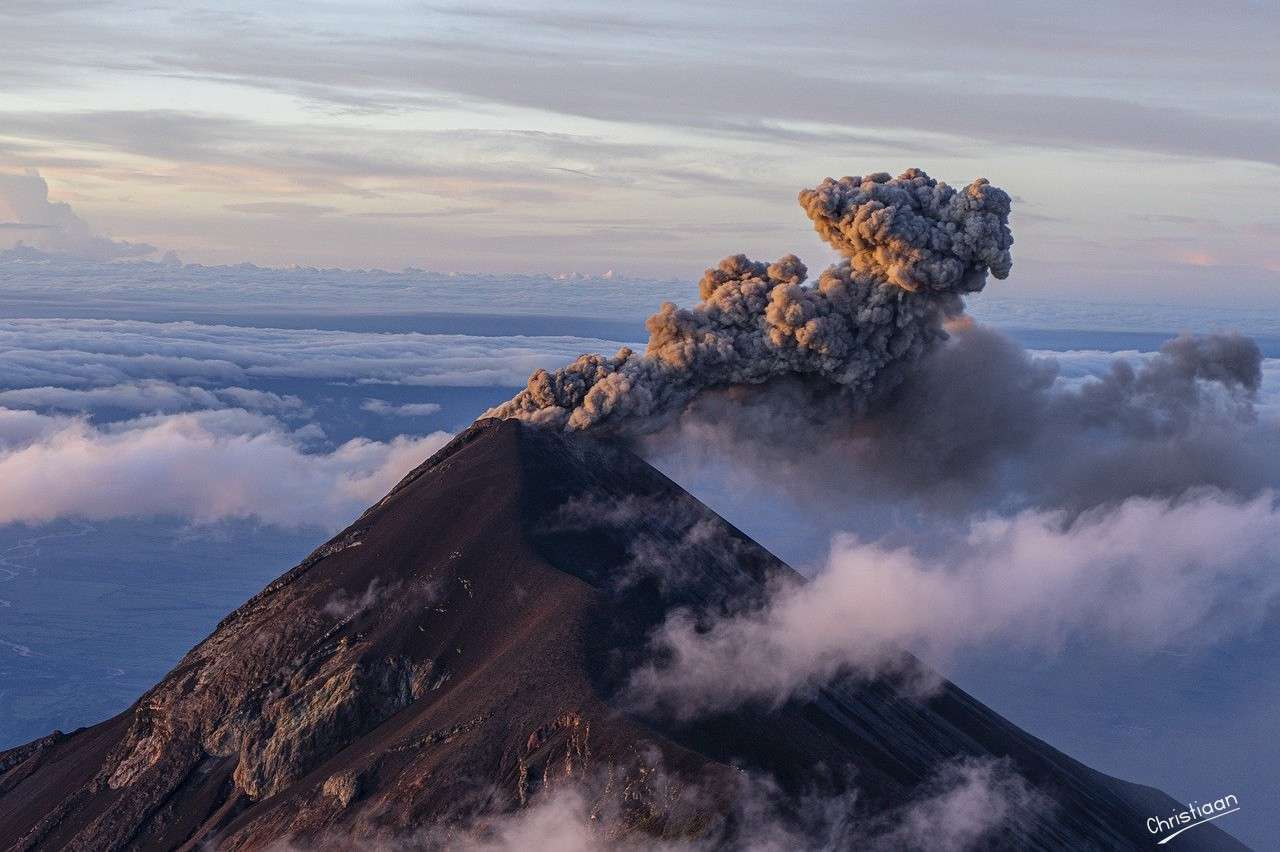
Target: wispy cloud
[
  {"x": 408, "y": 409},
  {"x": 965, "y": 804},
  {"x": 414, "y": 108},
  {"x": 282, "y": 208},
  {"x": 150, "y": 395}
]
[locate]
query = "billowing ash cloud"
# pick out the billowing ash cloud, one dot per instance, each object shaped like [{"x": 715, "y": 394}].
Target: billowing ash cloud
[
  {"x": 913, "y": 247},
  {"x": 914, "y": 232},
  {"x": 983, "y": 425}
]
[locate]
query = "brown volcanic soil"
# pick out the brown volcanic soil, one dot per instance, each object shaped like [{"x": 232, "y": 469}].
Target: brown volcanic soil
[{"x": 457, "y": 649}]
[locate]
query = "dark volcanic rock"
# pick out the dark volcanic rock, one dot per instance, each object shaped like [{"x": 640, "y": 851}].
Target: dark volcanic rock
[{"x": 455, "y": 651}]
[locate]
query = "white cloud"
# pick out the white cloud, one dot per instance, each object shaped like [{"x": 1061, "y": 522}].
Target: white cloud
[
  {"x": 1144, "y": 574},
  {"x": 210, "y": 444},
  {"x": 206, "y": 466},
  {"x": 149, "y": 395},
  {"x": 54, "y": 225},
  {"x": 960, "y": 807},
  {"x": 24, "y": 427},
  {"x": 408, "y": 409},
  {"x": 71, "y": 353},
  {"x": 285, "y": 404}
]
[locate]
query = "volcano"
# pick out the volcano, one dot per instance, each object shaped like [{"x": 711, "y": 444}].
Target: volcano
[{"x": 460, "y": 651}]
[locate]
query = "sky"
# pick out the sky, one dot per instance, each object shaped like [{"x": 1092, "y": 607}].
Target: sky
[{"x": 1140, "y": 145}]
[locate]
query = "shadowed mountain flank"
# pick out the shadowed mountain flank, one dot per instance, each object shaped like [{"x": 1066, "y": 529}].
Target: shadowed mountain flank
[{"x": 460, "y": 653}]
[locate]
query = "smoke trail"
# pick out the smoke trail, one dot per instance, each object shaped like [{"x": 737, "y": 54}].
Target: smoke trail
[{"x": 913, "y": 247}]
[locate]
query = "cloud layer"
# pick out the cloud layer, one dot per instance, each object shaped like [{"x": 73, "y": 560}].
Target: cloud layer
[
  {"x": 206, "y": 466},
  {"x": 411, "y": 409},
  {"x": 1145, "y": 575},
  {"x": 150, "y": 395},
  {"x": 115, "y": 418},
  {"x": 76, "y": 353}
]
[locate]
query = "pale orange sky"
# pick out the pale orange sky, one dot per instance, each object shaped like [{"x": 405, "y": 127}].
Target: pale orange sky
[{"x": 652, "y": 140}]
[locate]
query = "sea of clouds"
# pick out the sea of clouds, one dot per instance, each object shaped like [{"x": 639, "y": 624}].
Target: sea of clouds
[
  {"x": 105, "y": 418},
  {"x": 115, "y": 418}
]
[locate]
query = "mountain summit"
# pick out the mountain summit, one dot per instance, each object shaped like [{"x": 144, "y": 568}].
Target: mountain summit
[{"x": 460, "y": 652}]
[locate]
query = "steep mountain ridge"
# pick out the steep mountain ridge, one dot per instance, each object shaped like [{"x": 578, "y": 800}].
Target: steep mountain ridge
[{"x": 459, "y": 649}]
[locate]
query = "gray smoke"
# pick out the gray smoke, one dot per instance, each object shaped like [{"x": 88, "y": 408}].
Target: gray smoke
[
  {"x": 913, "y": 247},
  {"x": 983, "y": 425}
]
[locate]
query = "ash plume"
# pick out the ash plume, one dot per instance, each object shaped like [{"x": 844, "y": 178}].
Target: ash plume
[
  {"x": 913, "y": 247},
  {"x": 981, "y": 424}
]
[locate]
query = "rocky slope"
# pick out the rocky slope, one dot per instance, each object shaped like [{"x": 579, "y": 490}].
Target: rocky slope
[{"x": 457, "y": 652}]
